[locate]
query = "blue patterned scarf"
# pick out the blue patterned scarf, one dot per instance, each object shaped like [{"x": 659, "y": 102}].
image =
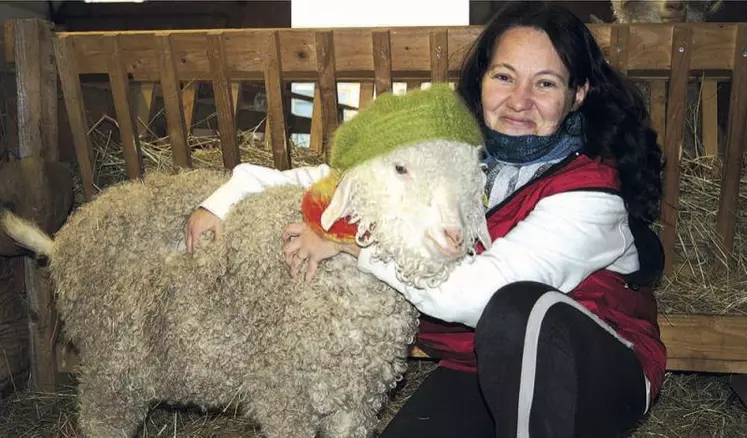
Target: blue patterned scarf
[{"x": 530, "y": 149}]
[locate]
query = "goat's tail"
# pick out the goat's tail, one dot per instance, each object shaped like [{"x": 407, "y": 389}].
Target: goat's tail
[{"x": 26, "y": 233}]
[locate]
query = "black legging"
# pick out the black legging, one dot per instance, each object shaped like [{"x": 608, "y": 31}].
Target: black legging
[{"x": 545, "y": 369}]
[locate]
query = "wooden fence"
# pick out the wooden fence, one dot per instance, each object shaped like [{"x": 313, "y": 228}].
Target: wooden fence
[{"x": 668, "y": 56}]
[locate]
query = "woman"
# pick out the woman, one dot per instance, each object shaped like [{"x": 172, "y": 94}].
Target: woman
[{"x": 552, "y": 331}]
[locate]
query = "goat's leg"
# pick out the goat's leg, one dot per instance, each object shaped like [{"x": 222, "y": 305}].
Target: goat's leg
[
  {"x": 350, "y": 423},
  {"x": 103, "y": 412},
  {"x": 283, "y": 413}
]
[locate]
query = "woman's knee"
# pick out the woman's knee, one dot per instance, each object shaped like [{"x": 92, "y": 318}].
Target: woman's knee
[{"x": 505, "y": 316}]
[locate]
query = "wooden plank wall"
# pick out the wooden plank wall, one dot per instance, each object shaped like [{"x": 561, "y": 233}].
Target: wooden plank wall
[{"x": 666, "y": 55}]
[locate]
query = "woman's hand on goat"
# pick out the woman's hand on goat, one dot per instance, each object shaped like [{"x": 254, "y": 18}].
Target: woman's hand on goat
[
  {"x": 302, "y": 244},
  {"x": 199, "y": 222}
]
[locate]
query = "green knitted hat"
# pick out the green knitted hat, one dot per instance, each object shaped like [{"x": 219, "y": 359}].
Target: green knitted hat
[{"x": 392, "y": 121}]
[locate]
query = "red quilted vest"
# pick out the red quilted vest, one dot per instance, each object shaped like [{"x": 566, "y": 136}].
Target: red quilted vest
[{"x": 632, "y": 313}]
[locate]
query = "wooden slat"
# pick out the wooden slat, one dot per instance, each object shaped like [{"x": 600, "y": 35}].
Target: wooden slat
[
  {"x": 125, "y": 119},
  {"x": 382, "y": 59},
  {"x": 235, "y": 94},
  {"x": 366, "y": 94},
  {"x": 705, "y": 343},
  {"x": 673, "y": 140},
  {"x": 659, "y": 109},
  {"x": 189, "y": 94},
  {"x": 327, "y": 84},
  {"x": 223, "y": 102},
  {"x": 42, "y": 319},
  {"x": 70, "y": 82},
  {"x": 735, "y": 146},
  {"x": 275, "y": 100},
  {"x": 709, "y": 111},
  {"x": 620, "y": 40},
  {"x": 143, "y": 94},
  {"x": 316, "y": 131},
  {"x": 172, "y": 103},
  {"x": 439, "y": 56},
  {"x": 9, "y": 35},
  {"x": 49, "y": 97}
]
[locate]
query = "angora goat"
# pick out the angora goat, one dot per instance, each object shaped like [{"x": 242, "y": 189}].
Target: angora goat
[{"x": 229, "y": 324}]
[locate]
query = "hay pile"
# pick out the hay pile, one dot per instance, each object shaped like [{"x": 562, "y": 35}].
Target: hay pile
[
  {"x": 109, "y": 164},
  {"x": 706, "y": 279}
]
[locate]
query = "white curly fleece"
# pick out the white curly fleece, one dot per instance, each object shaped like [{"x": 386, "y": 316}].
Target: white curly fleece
[{"x": 563, "y": 240}]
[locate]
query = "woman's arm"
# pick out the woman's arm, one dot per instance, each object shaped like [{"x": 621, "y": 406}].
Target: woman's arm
[
  {"x": 249, "y": 178},
  {"x": 566, "y": 237},
  {"x": 245, "y": 180}
]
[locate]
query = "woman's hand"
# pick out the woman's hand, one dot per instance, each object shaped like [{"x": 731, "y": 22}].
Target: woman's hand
[
  {"x": 200, "y": 221},
  {"x": 302, "y": 244}
]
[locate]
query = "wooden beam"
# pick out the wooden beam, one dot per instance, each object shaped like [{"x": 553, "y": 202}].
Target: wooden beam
[
  {"x": 700, "y": 343},
  {"x": 648, "y": 49},
  {"x": 705, "y": 343}
]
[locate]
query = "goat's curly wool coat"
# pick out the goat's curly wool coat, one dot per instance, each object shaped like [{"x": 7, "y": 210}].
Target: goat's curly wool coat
[{"x": 222, "y": 326}]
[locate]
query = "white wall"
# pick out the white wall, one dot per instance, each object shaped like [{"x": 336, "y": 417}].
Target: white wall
[{"x": 385, "y": 13}]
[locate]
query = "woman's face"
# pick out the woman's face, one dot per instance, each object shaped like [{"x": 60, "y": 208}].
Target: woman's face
[{"x": 525, "y": 88}]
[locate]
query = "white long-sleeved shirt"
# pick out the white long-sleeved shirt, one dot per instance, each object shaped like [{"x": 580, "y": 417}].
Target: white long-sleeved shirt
[{"x": 564, "y": 239}]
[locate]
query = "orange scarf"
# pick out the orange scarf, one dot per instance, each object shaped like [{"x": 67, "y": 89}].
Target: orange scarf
[{"x": 315, "y": 201}]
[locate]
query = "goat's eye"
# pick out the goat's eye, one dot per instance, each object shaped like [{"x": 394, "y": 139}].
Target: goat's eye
[{"x": 402, "y": 170}]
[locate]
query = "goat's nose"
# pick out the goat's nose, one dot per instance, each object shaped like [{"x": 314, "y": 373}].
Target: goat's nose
[{"x": 454, "y": 236}]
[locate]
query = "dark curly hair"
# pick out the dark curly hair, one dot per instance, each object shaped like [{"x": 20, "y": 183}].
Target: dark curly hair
[{"x": 618, "y": 126}]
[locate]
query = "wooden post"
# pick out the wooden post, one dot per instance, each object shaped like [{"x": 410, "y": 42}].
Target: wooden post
[
  {"x": 327, "y": 86},
  {"x": 729, "y": 195},
  {"x": 382, "y": 55},
  {"x": 276, "y": 127},
  {"x": 675, "y": 125},
  {"x": 142, "y": 96},
  {"x": 36, "y": 80}
]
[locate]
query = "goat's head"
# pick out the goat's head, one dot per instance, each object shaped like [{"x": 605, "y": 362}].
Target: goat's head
[
  {"x": 422, "y": 206},
  {"x": 664, "y": 11}
]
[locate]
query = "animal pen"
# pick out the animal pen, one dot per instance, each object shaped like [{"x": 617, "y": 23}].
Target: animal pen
[{"x": 665, "y": 57}]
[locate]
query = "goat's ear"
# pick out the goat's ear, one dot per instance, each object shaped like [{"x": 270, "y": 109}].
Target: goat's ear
[{"x": 339, "y": 206}]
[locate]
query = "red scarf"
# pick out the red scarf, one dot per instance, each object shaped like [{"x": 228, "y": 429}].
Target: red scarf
[{"x": 315, "y": 201}]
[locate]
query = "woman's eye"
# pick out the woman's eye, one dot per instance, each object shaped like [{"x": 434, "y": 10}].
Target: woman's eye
[
  {"x": 502, "y": 77},
  {"x": 547, "y": 84},
  {"x": 402, "y": 170}
]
